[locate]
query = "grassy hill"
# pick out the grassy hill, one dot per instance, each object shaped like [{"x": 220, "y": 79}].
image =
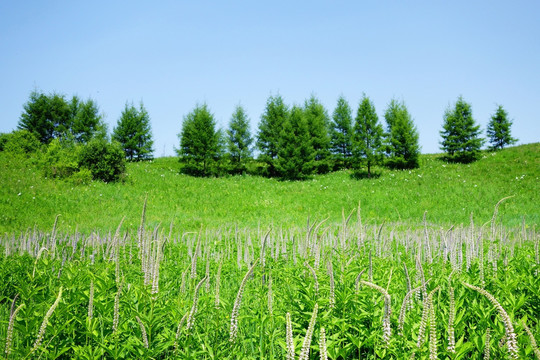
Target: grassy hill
[{"x": 448, "y": 192}]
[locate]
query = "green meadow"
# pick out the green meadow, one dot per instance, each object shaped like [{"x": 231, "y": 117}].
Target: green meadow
[
  {"x": 243, "y": 267},
  {"x": 447, "y": 193}
]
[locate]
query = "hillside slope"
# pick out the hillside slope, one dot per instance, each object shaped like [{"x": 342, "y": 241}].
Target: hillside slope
[{"x": 448, "y": 192}]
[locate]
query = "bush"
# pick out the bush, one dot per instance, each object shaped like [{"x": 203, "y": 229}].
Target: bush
[
  {"x": 19, "y": 142},
  {"x": 82, "y": 177},
  {"x": 60, "y": 160},
  {"x": 105, "y": 160}
]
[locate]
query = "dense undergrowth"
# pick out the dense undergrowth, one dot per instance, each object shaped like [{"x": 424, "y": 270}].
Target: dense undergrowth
[{"x": 162, "y": 293}]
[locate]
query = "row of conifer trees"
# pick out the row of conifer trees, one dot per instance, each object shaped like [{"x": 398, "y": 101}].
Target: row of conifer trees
[{"x": 294, "y": 142}]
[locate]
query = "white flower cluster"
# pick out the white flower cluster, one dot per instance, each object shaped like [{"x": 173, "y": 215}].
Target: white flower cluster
[{"x": 511, "y": 340}]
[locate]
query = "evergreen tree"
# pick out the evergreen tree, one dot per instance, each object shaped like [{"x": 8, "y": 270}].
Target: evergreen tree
[
  {"x": 296, "y": 154},
  {"x": 270, "y": 127},
  {"x": 460, "y": 135},
  {"x": 368, "y": 136},
  {"x": 87, "y": 122},
  {"x": 318, "y": 122},
  {"x": 200, "y": 142},
  {"x": 402, "y": 137},
  {"x": 239, "y": 140},
  {"x": 134, "y": 134},
  {"x": 47, "y": 116},
  {"x": 498, "y": 130},
  {"x": 341, "y": 133}
]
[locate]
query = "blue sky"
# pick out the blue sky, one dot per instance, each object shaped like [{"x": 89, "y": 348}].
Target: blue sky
[{"x": 174, "y": 54}]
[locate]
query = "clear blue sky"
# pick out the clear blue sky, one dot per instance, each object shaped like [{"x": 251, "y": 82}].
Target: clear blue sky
[{"x": 175, "y": 54}]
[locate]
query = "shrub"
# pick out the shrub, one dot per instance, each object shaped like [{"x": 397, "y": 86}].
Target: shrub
[
  {"x": 60, "y": 159},
  {"x": 19, "y": 142},
  {"x": 82, "y": 177},
  {"x": 105, "y": 160}
]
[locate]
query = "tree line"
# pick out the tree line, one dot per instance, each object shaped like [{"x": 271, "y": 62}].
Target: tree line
[
  {"x": 294, "y": 142},
  {"x": 72, "y": 140},
  {"x": 291, "y": 142}
]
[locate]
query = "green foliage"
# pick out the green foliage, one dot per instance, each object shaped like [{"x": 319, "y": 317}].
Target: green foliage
[
  {"x": 150, "y": 271},
  {"x": 105, "y": 160},
  {"x": 448, "y": 192},
  {"x": 402, "y": 137},
  {"x": 239, "y": 140},
  {"x": 296, "y": 154},
  {"x": 498, "y": 130},
  {"x": 318, "y": 122},
  {"x": 22, "y": 142},
  {"x": 60, "y": 159},
  {"x": 87, "y": 123},
  {"x": 341, "y": 131},
  {"x": 201, "y": 145},
  {"x": 367, "y": 137},
  {"x": 461, "y": 139},
  {"x": 52, "y": 117},
  {"x": 269, "y": 135},
  {"x": 47, "y": 116},
  {"x": 134, "y": 133}
]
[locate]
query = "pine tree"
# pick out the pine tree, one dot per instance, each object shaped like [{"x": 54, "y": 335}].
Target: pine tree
[
  {"x": 341, "y": 133},
  {"x": 318, "y": 123},
  {"x": 200, "y": 142},
  {"x": 270, "y": 127},
  {"x": 368, "y": 136},
  {"x": 296, "y": 154},
  {"x": 239, "y": 140},
  {"x": 460, "y": 135},
  {"x": 402, "y": 137},
  {"x": 498, "y": 130},
  {"x": 134, "y": 134}
]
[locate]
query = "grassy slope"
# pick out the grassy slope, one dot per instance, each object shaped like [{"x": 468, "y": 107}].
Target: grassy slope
[{"x": 448, "y": 192}]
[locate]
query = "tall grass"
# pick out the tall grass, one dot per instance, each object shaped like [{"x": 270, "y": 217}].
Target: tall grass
[{"x": 431, "y": 273}]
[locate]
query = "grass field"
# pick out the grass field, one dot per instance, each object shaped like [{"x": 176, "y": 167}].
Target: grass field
[
  {"x": 448, "y": 192},
  {"x": 254, "y": 268}
]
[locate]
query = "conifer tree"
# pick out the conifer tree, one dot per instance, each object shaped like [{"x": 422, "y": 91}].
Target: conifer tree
[
  {"x": 296, "y": 154},
  {"x": 341, "y": 133},
  {"x": 270, "y": 127},
  {"x": 87, "y": 122},
  {"x": 368, "y": 136},
  {"x": 402, "y": 137},
  {"x": 134, "y": 134},
  {"x": 239, "y": 140},
  {"x": 460, "y": 135},
  {"x": 498, "y": 130},
  {"x": 318, "y": 122},
  {"x": 200, "y": 142},
  {"x": 52, "y": 117},
  {"x": 47, "y": 116}
]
